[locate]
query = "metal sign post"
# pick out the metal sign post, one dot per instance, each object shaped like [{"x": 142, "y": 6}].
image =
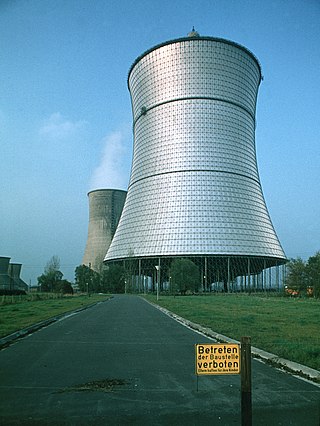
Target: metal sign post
[
  {"x": 246, "y": 394},
  {"x": 226, "y": 358}
]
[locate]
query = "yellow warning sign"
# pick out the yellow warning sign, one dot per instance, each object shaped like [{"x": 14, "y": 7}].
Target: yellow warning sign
[{"x": 220, "y": 358}]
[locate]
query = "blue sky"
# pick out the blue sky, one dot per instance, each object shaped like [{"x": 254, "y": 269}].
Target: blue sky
[{"x": 65, "y": 112}]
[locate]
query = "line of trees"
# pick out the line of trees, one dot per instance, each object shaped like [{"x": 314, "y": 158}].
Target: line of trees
[
  {"x": 110, "y": 280},
  {"x": 304, "y": 276},
  {"x": 184, "y": 276}
]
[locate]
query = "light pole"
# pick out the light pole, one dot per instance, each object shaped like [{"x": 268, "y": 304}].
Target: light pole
[{"x": 158, "y": 273}]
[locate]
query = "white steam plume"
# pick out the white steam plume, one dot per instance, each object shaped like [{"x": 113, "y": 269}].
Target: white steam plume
[{"x": 113, "y": 170}]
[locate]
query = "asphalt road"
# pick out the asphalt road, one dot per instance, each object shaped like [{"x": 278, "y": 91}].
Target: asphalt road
[{"x": 123, "y": 362}]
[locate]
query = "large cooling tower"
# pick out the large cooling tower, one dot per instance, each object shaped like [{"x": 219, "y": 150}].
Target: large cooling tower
[
  {"x": 194, "y": 189},
  {"x": 105, "y": 207}
]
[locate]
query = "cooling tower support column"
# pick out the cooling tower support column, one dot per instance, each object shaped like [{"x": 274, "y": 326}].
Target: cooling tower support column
[{"x": 194, "y": 189}]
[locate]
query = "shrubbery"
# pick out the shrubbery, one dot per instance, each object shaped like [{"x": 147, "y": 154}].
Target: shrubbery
[
  {"x": 52, "y": 278},
  {"x": 7, "y": 292},
  {"x": 303, "y": 277}
]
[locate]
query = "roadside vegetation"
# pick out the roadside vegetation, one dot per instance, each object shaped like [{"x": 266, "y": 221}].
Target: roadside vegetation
[
  {"x": 19, "y": 312},
  {"x": 285, "y": 326},
  {"x": 303, "y": 277},
  {"x": 284, "y": 322},
  {"x": 54, "y": 295},
  {"x": 52, "y": 278}
]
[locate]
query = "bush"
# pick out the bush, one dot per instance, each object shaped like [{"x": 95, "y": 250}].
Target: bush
[
  {"x": 7, "y": 292},
  {"x": 64, "y": 287}
]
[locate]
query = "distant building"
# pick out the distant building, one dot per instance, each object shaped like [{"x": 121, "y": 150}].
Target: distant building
[
  {"x": 105, "y": 207},
  {"x": 10, "y": 275}
]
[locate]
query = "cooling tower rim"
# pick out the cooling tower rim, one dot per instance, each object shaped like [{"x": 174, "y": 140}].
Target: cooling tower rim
[
  {"x": 106, "y": 190},
  {"x": 281, "y": 260},
  {"x": 192, "y": 40}
]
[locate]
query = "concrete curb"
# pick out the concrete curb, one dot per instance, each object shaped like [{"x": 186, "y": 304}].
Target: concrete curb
[
  {"x": 8, "y": 340},
  {"x": 269, "y": 358}
]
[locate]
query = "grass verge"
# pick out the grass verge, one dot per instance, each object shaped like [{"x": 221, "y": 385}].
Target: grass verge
[
  {"x": 25, "y": 311},
  {"x": 286, "y": 327}
]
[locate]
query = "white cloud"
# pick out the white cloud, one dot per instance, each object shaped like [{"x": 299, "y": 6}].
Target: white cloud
[
  {"x": 113, "y": 170},
  {"x": 57, "y": 127}
]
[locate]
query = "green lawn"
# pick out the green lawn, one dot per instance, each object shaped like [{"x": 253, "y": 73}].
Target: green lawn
[
  {"x": 287, "y": 327},
  {"x": 18, "y": 312}
]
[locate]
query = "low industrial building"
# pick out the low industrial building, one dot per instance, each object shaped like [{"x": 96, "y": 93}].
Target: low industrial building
[{"x": 10, "y": 275}]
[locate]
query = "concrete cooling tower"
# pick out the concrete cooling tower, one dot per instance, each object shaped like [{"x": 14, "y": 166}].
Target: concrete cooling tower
[
  {"x": 194, "y": 190},
  {"x": 105, "y": 207}
]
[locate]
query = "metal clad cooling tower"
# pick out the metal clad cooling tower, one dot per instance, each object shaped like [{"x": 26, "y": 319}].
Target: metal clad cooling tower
[
  {"x": 105, "y": 207},
  {"x": 194, "y": 188}
]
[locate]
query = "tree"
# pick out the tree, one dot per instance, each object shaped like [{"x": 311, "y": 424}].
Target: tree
[
  {"x": 87, "y": 279},
  {"x": 296, "y": 275},
  {"x": 52, "y": 265},
  {"x": 184, "y": 275},
  {"x": 313, "y": 273},
  {"x": 50, "y": 282},
  {"x": 113, "y": 279},
  {"x": 52, "y": 276},
  {"x": 304, "y": 274}
]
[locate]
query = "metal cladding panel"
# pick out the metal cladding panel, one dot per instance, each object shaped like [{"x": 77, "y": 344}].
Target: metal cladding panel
[
  {"x": 195, "y": 68},
  {"x": 195, "y": 213},
  {"x": 194, "y": 186},
  {"x": 194, "y": 135}
]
